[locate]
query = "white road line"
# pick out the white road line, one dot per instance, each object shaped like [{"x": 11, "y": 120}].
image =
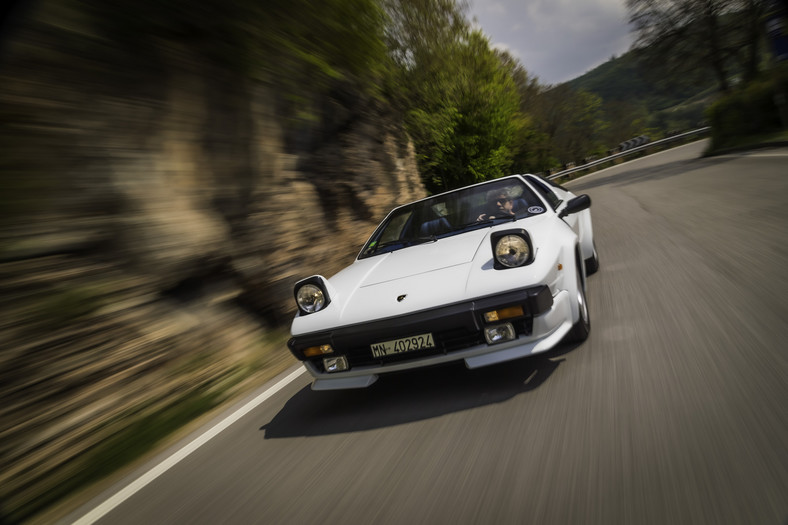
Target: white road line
[{"x": 135, "y": 486}]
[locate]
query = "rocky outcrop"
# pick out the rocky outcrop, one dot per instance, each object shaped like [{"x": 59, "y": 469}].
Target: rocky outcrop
[{"x": 154, "y": 219}]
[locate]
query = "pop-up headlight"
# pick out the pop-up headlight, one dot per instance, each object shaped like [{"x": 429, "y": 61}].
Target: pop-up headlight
[
  {"x": 311, "y": 295},
  {"x": 511, "y": 249}
]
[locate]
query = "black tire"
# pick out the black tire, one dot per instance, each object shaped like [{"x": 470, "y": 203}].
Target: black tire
[
  {"x": 582, "y": 327},
  {"x": 592, "y": 263}
]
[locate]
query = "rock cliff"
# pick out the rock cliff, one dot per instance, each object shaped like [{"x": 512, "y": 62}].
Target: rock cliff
[{"x": 154, "y": 218}]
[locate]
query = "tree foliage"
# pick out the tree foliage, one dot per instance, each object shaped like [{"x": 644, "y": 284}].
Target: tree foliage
[
  {"x": 459, "y": 100},
  {"x": 751, "y": 110},
  {"x": 472, "y": 112},
  {"x": 291, "y": 43},
  {"x": 572, "y": 121},
  {"x": 695, "y": 38}
]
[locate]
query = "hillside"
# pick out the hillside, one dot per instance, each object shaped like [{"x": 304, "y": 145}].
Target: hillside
[
  {"x": 669, "y": 102},
  {"x": 626, "y": 78}
]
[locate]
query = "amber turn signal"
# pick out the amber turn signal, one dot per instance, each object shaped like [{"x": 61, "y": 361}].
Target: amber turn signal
[
  {"x": 503, "y": 313},
  {"x": 313, "y": 351}
]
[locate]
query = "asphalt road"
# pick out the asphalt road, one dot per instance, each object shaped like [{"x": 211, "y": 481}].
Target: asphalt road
[{"x": 674, "y": 411}]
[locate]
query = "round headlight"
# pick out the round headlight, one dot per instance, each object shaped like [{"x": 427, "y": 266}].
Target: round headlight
[
  {"x": 310, "y": 298},
  {"x": 511, "y": 251}
]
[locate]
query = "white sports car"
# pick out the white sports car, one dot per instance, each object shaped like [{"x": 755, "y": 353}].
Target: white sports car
[{"x": 487, "y": 273}]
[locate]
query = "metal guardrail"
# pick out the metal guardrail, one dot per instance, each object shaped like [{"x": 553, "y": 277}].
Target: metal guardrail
[{"x": 674, "y": 138}]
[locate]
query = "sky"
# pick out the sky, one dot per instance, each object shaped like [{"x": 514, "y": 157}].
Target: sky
[{"x": 555, "y": 40}]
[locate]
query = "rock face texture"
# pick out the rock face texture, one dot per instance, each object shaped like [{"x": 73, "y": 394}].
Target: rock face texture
[{"x": 153, "y": 220}]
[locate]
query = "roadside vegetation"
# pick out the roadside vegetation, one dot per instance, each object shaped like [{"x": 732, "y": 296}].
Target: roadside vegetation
[
  {"x": 735, "y": 50},
  {"x": 756, "y": 112},
  {"x": 473, "y": 112},
  {"x": 693, "y": 64},
  {"x": 125, "y": 439}
]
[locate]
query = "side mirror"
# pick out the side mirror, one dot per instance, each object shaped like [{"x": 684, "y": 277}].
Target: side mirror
[{"x": 579, "y": 203}]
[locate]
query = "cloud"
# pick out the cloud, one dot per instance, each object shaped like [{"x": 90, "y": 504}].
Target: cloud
[
  {"x": 493, "y": 8},
  {"x": 556, "y": 40}
]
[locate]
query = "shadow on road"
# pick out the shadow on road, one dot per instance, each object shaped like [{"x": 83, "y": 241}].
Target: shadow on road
[{"x": 411, "y": 396}]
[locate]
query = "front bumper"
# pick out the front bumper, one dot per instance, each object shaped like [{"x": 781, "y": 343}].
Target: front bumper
[{"x": 456, "y": 329}]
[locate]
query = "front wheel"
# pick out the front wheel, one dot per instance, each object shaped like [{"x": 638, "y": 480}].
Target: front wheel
[{"x": 582, "y": 327}]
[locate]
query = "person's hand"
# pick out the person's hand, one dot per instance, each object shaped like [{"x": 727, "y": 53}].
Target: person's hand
[{"x": 482, "y": 217}]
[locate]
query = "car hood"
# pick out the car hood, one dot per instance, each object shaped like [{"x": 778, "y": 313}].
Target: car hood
[
  {"x": 400, "y": 282},
  {"x": 421, "y": 259}
]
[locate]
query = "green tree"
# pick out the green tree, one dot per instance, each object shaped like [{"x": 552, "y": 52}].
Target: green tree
[
  {"x": 572, "y": 121},
  {"x": 692, "y": 38},
  {"x": 533, "y": 147},
  {"x": 468, "y": 122},
  {"x": 625, "y": 120},
  {"x": 458, "y": 98}
]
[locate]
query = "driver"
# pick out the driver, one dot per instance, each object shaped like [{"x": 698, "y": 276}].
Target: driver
[{"x": 499, "y": 205}]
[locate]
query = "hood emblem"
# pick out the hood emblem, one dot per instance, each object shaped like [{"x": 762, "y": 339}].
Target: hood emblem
[{"x": 401, "y": 297}]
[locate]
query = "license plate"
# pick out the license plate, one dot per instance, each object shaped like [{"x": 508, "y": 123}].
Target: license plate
[{"x": 399, "y": 346}]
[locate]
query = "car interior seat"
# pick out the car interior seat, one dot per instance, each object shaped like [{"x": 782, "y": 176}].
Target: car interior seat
[
  {"x": 434, "y": 227},
  {"x": 519, "y": 205}
]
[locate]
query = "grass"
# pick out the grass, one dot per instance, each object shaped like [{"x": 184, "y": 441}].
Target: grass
[
  {"x": 146, "y": 429},
  {"x": 132, "y": 441}
]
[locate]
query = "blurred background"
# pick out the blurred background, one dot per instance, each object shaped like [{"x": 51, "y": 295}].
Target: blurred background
[{"x": 170, "y": 169}]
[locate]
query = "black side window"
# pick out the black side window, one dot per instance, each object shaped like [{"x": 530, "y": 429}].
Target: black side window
[{"x": 545, "y": 191}]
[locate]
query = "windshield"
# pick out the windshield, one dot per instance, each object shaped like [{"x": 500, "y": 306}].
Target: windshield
[{"x": 453, "y": 213}]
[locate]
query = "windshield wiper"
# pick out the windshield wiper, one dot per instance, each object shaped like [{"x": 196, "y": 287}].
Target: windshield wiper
[
  {"x": 422, "y": 240},
  {"x": 506, "y": 218},
  {"x": 485, "y": 222}
]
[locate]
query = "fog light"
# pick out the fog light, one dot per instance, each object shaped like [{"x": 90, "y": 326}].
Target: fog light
[
  {"x": 499, "y": 333},
  {"x": 335, "y": 364},
  {"x": 312, "y": 351}
]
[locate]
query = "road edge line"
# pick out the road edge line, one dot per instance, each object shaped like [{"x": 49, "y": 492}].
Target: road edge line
[{"x": 138, "y": 484}]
